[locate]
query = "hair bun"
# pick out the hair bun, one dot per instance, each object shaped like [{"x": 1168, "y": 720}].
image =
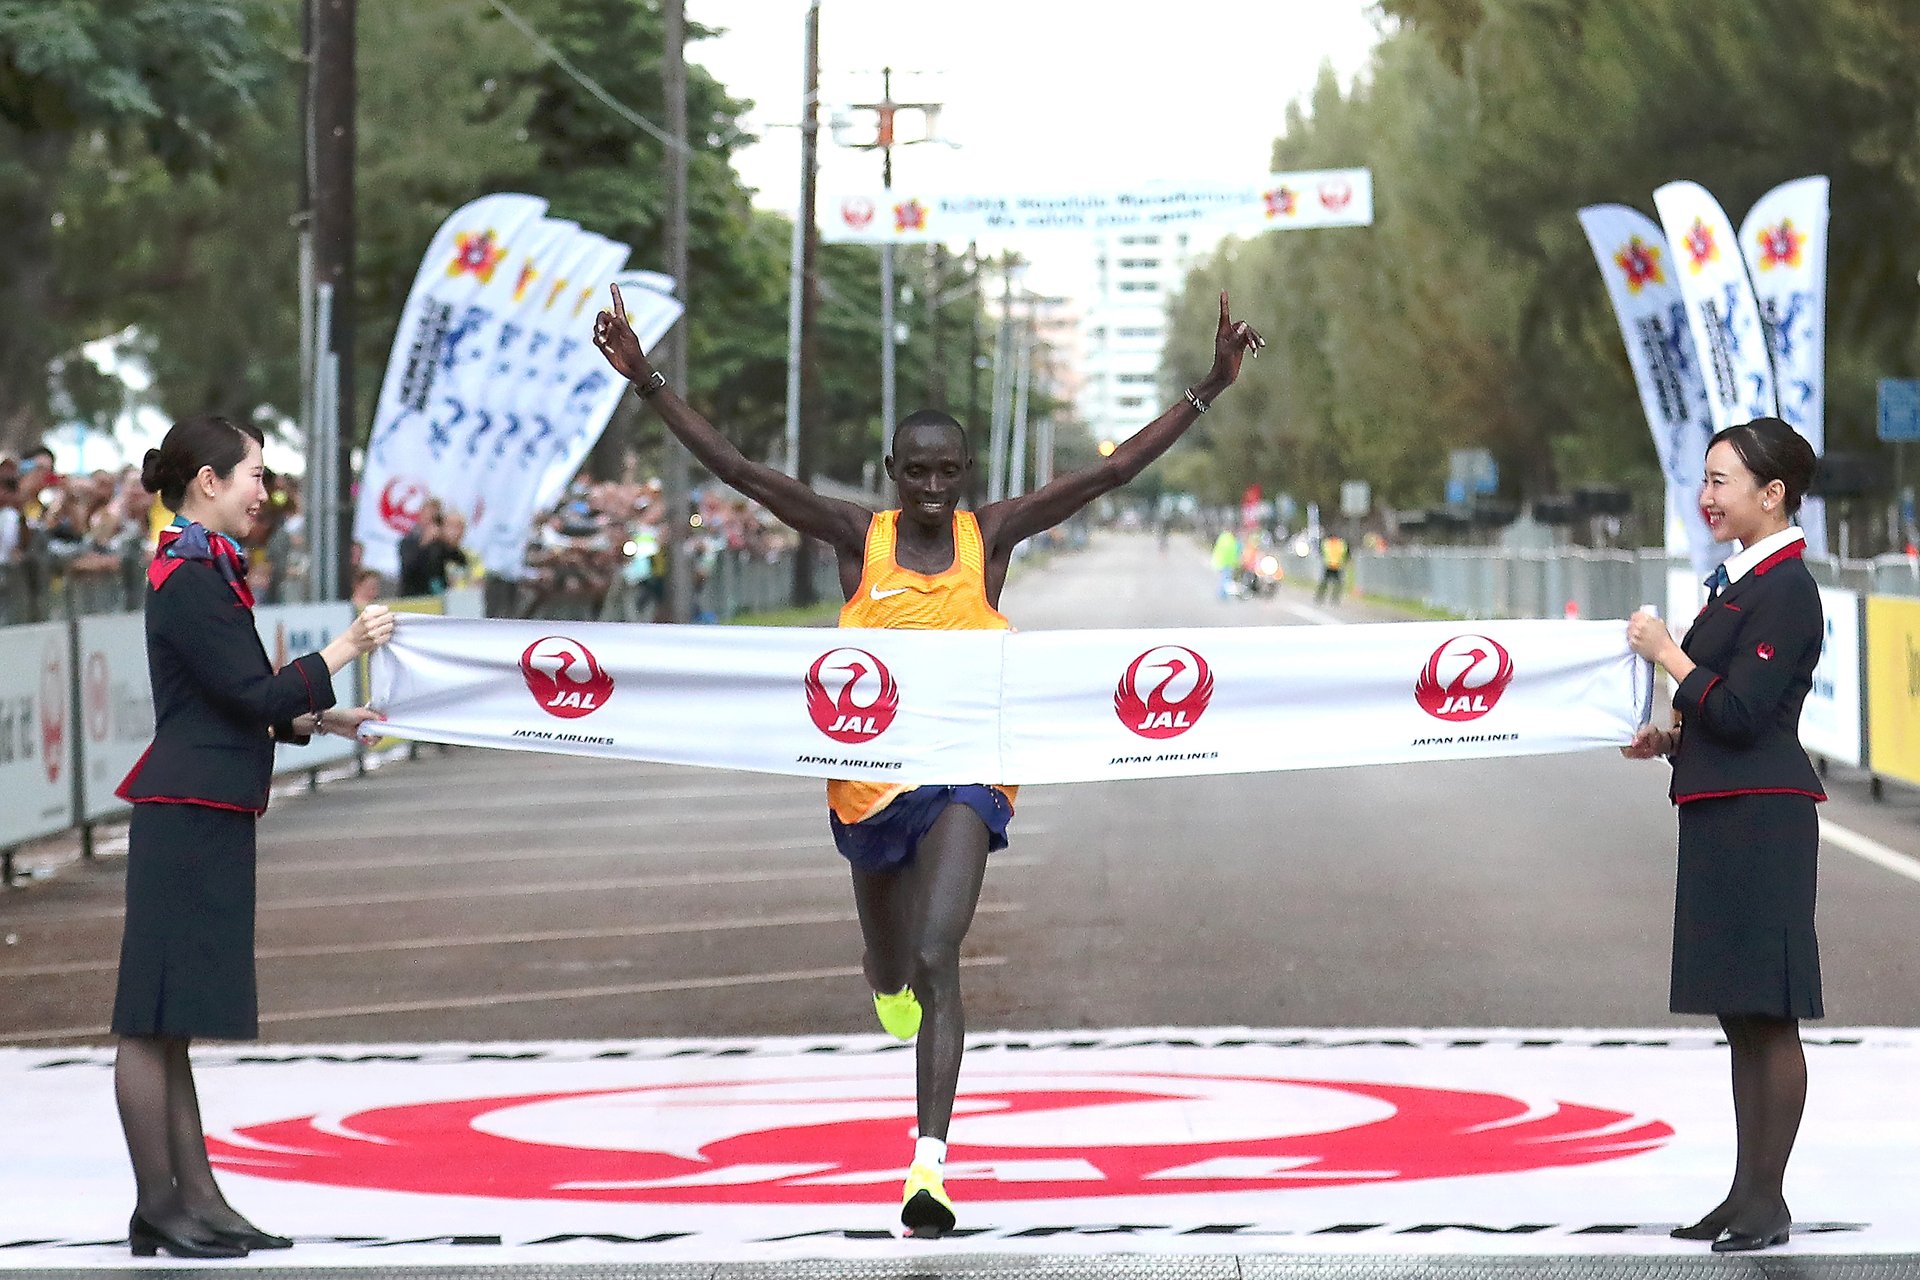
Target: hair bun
[{"x": 150, "y": 478}]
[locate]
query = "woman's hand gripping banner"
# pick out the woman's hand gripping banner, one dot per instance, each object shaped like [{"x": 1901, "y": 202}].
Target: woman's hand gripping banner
[{"x": 985, "y": 706}]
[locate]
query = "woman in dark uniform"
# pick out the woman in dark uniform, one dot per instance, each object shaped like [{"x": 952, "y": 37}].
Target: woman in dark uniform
[
  {"x": 186, "y": 958},
  {"x": 1744, "y": 948}
]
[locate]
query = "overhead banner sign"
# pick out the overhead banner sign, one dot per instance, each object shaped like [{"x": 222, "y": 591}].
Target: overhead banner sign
[
  {"x": 903, "y": 215},
  {"x": 1035, "y": 707}
]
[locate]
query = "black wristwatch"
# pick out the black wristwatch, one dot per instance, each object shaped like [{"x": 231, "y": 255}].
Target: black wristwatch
[{"x": 651, "y": 385}]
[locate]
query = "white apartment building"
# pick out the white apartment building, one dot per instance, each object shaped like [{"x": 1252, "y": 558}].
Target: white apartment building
[{"x": 1124, "y": 327}]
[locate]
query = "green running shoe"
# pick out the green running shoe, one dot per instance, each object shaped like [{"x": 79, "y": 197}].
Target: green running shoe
[
  {"x": 925, "y": 1211},
  {"x": 899, "y": 1013}
]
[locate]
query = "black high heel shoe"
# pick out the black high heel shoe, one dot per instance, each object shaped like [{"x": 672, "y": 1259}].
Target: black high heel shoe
[
  {"x": 146, "y": 1239},
  {"x": 1774, "y": 1233},
  {"x": 1708, "y": 1228},
  {"x": 252, "y": 1237}
]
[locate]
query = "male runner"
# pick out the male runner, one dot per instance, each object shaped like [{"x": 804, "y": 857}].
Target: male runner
[{"x": 919, "y": 853}]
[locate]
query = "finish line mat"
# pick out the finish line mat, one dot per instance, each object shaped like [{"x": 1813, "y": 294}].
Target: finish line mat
[{"x": 1152, "y": 1142}]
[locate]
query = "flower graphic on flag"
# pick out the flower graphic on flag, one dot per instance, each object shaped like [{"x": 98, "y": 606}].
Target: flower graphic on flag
[
  {"x": 1701, "y": 247},
  {"x": 528, "y": 274},
  {"x": 580, "y": 303},
  {"x": 910, "y": 216},
  {"x": 1780, "y": 245},
  {"x": 1640, "y": 262},
  {"x": 553, "y": 295},
  {"x": 1281, "y": 202},
  {"x": 476, "y": 255}
]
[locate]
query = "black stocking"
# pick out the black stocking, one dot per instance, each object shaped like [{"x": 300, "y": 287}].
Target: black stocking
[
  {"x": 1768, "y": 1103},
  {"x": 187, "y": 1143},
  {"x": 143, "y": 1088},
  {"x": 1769, "y": 1094}
]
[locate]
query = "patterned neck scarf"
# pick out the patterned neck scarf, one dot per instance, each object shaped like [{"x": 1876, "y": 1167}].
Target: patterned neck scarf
[{"x": 185, "y": 540}]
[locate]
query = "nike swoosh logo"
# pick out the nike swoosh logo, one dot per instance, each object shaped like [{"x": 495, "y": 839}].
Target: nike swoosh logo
[{"x": 876, "y": 593}]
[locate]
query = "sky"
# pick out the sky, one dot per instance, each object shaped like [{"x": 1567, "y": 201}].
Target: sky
[{"x": 1036, "y": 93}]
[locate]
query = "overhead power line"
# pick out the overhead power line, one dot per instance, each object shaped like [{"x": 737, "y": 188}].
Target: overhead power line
[{"x": 586, "y": 81}]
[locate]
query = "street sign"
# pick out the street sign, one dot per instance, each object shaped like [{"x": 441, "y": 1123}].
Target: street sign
[
  {"x": 1356, "y": 498},
  {"x": 1899, "y": 409}
]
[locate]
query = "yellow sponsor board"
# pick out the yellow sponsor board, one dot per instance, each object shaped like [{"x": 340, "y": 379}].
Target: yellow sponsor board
[{"x": 1893, "y": 687}]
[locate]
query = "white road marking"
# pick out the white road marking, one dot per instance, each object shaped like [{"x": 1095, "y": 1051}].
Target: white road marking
[
  {"x": 528, "y": 997},
  {"x": 507, "y": 939},
  {"x": 686, "y": 880},
  {"x": 1872, "y": 850},
  {"x": 1311, "y": 614}
]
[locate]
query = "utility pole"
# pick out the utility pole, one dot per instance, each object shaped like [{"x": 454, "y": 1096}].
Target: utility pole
[
  {"x": 973, "y": 359},
  {"x": 888, "y": 404},
  {"x": 937, "y": 329},
  {"x": 674, "y": 483},
  {"x": 884, "y": 141},
  {"x": 331, "y": 94},
  {"x": 803, "y": 374}
]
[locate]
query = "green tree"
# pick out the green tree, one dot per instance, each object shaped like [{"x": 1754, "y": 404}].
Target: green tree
[{"x": 159, "y": 78}]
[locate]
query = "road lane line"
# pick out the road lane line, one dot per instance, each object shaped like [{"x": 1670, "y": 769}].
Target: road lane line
[
  {"x": 686, "y": 880},
  {"x": 504, "y": 939},
  {"x": 1311, "y": 614},
  {"x": 325, "y": 866},
  {"x": 1872, "y": 850},
  {"x": 531, "y": 997}
]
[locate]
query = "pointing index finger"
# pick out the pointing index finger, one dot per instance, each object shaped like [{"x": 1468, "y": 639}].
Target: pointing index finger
[{"x": 619, "y": 305}]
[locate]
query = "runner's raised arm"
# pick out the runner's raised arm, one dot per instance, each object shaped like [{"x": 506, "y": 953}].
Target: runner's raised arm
[
  {"x": 841, "y": 525},
  {"x": 1005, "y": 524}
]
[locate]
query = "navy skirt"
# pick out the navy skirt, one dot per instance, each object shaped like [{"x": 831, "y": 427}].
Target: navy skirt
[
  {"x": 186, "y": 956},
  {"x": 1743, "y": 937}
]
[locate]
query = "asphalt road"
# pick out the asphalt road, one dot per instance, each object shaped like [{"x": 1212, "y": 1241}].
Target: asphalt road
[{"x": 489, "y": 895}]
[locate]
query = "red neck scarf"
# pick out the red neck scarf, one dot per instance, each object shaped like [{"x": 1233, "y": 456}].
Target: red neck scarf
[{"x": 180, "y": 543}]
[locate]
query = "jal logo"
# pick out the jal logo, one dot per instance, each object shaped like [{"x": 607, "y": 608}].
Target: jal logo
[
  {"x": 1336, "y": 194},
  {"x": 53, "y": 712},
  {"x": 97, "y": 689},
  {"x": 857, "y": 212},
  {"x": 401, "y": 502},
  {"x": 565, "y": 678},
  {"x": 851, "y": 696},
  {"x": 828, "y": 1140},
  {"x": 1464, "y": 678},
  {"x": 1164, "y": 692}
]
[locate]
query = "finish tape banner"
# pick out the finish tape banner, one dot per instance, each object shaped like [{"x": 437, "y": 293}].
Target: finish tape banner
[{"x": 988, "y": 706}]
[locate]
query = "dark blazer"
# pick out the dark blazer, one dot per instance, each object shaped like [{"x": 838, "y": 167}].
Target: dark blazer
[
  {"x": 1756, "y": 646},
  {"x": 218, "y": 704}
]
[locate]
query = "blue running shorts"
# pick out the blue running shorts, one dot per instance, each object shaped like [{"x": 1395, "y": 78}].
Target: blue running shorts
[{"x": 887, "y": 840}]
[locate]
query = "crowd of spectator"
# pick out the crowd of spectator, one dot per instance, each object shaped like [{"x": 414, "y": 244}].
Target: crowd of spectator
[{"x": 82, "y": 541}]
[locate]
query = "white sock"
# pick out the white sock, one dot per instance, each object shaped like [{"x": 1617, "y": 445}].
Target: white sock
[{"x": 931, "y": 1151}]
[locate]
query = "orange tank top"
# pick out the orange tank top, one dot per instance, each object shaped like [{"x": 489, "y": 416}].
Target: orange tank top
[{"x": 894, "y": 598}]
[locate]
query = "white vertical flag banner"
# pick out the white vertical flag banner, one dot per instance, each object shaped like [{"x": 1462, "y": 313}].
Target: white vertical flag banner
[
  {"x": 1637, "y": 265},
  {"x": 463, "y": 258},
  {"x": 512, "y": 391},
  {"x": 502, "y": 342},
  {"x": 1721, "y": 308},
  {"x": 591, "y": 389},
  {"x": 1784, "y": 240},
  {"x": 990, "y": 706}
]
